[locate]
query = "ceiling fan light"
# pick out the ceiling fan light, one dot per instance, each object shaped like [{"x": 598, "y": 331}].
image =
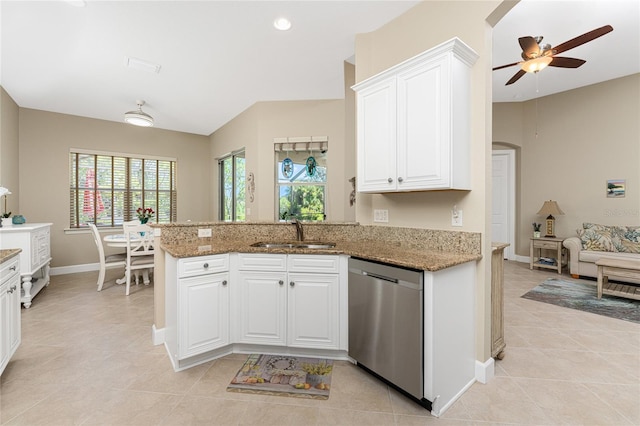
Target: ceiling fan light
[
  {"x": 139, "y": 117},
  {"x": 536, "y": 64}
]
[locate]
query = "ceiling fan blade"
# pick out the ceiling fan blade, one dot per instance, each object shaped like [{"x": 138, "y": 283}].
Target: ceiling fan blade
[
  {"x": 562, "y": 62},
  {"x": 530, "y": 48},
  {"x": 505, "y": 66},
  {"x": 516, "y": 77},
  {"x": 582, "y": 39}
]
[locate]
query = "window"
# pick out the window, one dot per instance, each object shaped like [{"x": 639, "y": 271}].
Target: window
[
  {"x": 301, "y": 180},
  {"x": 107, "y": 189},
  {"x": 232, "y": 187}
]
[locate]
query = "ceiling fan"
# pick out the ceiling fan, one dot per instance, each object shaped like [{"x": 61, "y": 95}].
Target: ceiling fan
[{"x": 537, "y": 56}]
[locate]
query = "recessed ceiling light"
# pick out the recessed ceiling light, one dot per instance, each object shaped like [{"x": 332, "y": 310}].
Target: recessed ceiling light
[{"x": 282, "y": 24}]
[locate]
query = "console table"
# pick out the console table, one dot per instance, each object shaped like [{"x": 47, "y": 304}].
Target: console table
[{"x": 35, "y": 241}]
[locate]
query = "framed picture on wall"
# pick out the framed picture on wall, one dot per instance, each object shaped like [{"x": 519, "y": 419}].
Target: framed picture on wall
[{"x": 616, "y": 188}]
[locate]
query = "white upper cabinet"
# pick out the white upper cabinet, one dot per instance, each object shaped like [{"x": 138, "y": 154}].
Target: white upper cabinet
[{"x": 413, "y": 123}]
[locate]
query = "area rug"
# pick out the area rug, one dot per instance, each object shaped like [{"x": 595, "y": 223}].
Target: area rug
[
  {"x": 584, "y": 297},
  {"x": 284, "y": 375}
]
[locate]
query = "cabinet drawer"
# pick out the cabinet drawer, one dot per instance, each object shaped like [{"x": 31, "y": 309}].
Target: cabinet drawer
[
  {"x": 202, "y": 265},
  {"x": 313, "y": 263},
  {"x": 545, "y": 244},
  {"x": 262, "y": 262},
  {"x": 8, "y": 269}
]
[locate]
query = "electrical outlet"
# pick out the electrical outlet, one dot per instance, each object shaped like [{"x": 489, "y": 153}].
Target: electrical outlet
[
  {"x": 380, "y": 215},
  {"x": 204, "y": 232},
  {"x": 456, "y": 217}
]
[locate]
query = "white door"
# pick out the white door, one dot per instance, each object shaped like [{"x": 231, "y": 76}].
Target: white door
[
  {"x": 203, "y": 322},
  {"x": 503, "y": 200},
  {"x": 262, "y": 307},
  {"x": 313, "y": 311},
  {"x": 376, "y": 137}
]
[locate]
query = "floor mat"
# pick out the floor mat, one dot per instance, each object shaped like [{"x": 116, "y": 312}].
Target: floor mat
[
  {"x": 284, "y": 375},
  {"x": 583, "y": 296}
]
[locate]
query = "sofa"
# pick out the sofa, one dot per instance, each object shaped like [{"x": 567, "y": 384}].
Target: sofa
[{"x": 596, "y": 241}]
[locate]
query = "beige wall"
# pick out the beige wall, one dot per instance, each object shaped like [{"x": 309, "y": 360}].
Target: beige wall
[
  {"x": 9, "y": 151},
  {"x": 45, "y": 141},
  {"x": 424, "y": 26},
  {"x": 255, "y": 129},
  {"x": 584, "y": 137}
]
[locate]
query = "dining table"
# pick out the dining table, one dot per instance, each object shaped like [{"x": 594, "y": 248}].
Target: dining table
[{"x": 120, "y": 240}]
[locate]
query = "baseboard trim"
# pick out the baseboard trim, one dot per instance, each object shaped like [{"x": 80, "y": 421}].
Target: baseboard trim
[
  {"x": 74, "y": 269},
  {"x": 157, "y": 335},
  {"x": 485, "y": 371},
  {"x": 523, "y": 259}
]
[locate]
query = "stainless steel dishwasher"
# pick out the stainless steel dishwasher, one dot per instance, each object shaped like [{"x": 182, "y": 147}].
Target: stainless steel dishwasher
[{"x": 386, "y": 324}]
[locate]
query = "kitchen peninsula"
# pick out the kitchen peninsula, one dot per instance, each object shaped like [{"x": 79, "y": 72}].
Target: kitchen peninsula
[{"x": 222, "y": 294}]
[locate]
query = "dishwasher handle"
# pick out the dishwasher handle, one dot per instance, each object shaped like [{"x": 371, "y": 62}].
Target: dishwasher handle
[{"x": 380, "y": 277}]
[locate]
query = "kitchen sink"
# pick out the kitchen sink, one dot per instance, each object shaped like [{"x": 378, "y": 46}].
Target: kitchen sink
[{"x": 295, "y": 245}]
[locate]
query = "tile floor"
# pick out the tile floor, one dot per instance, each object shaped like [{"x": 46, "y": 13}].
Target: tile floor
[{"x": 86, "y": 359}]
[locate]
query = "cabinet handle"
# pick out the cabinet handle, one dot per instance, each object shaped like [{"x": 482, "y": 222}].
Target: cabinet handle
[
  {"x": 400, "y": 179},
  {"x": 13, "y": 268},
  {"x": 281, "y": 282},
  {"x": 224, "y": 282},
  {"x": 292, "y": 283},
  {"x": 389, "y": 180},
  {"x": 206, "y": 265}
]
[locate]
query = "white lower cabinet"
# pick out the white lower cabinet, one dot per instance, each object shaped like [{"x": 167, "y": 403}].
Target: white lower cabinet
[
  {"x": 261, "y": 307},
  {"x": 215, "y": 303},
  {"x": 10, "y": 326},
  {"x": 196, "y": 306},
  {"x": 204, "y": 319},
  {"x": 313, "y": 310},
  {"x": 278, "y": 306}
]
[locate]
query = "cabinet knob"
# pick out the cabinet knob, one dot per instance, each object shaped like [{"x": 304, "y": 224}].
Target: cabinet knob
[
  {"x": 400, "y": 179},
  {"x": 224, "y": 282},
  {"x": 281, "y": 282},
  {"x": 13, "y": 268},
  {"x": 389, "y": 180},
  {"x": 206, "y": 265},
  {"x": 292, "y": 283}
]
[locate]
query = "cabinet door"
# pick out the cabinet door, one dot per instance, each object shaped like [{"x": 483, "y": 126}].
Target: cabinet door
[
  {"x": 14, "y": 315},
  {"x": 424, "y": 127},
  {"x": 4, "y": 326},
  {"x": 313, "y": 320},
  {"x": 376, "y": 137},
  {"x": 261, "y": 307},
  {"x": 203, "y": 317}
]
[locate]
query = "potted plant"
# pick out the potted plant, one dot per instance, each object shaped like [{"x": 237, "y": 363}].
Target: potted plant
[
  {"x": 536, "y": 229},
  {"x": 317, "y": 374},
  {"x": 6, "y": 215}
]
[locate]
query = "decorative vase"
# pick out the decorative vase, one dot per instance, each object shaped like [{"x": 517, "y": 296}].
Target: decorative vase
[
  {"x": 144, "y": 220},
  {"x": 536, "y": 234},
  {"x": 18, "y": 219},
  {"x": 6, "y": 221}
]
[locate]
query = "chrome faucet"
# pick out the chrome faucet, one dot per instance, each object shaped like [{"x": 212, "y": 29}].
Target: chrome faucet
[{"x": 299, "y": 230}]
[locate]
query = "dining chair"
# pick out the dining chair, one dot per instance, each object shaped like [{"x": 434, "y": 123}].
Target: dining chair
[
  {"x": 106, "y": 262},
  {"x": 140, "y": 255}
]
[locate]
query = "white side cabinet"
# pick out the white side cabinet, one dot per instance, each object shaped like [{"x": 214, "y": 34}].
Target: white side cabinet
[
  {"x": 413, "y": 123},
  {"x": 35, "y": 241},
  {"x": 289, "y": 300},
  {"x": 10, "y": 326},
  {"x": 197, "y": 306}
]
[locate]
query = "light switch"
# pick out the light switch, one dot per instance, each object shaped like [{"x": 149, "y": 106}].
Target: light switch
[
  {"x": 204, "y": 232},
  {"x": 380, "y": 215}
]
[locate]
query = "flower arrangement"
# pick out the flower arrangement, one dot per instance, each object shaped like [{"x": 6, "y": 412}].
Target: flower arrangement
[
  {"x": 144, "y": 214},
  {"x": 4, "y": 191},
  {"x": 536, "y": 227}
]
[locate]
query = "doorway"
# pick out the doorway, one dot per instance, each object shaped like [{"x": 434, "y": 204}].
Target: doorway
[{"x": 503, "y": 199}]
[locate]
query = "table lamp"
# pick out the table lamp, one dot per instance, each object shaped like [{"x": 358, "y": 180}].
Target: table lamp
[{"x": 550, "y": 208}]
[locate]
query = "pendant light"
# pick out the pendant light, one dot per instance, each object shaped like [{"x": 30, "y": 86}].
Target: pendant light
[{"x": 139, "y": 117}]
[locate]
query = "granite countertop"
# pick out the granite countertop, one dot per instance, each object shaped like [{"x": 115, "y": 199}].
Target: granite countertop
[
  {"x": 395, "y": 254},
  {"x": 6, "y": 254}
]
